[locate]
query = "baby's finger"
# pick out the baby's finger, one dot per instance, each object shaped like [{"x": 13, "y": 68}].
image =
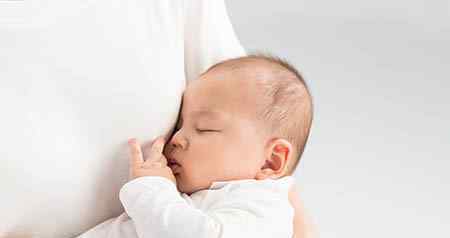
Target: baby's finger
[
  {"x": 163, "y": 160},
  {"x": 135, "y": 153},
  {"x": 157, "y": 147},
  {"x": 147, "y": 149}
]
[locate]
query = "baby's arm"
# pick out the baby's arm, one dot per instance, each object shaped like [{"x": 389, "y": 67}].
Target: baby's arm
[{"x": 158, "y": 210}]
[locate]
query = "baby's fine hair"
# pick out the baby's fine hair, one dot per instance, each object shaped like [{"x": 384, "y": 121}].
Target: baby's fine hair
[{"x": 287, "y": 106}]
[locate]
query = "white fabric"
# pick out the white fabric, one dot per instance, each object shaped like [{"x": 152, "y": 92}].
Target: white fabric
[
  {"x": 240, "y": 208},
  {"x": 77, "y": 78}
]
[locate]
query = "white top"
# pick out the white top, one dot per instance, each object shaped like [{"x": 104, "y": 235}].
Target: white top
[
  {"x": 77, "y": 79},
  {"x": 231, "y": 209}
]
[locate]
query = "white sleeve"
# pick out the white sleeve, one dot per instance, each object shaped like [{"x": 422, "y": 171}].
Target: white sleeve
[
  {"x": 158, "y": 210},
  {"x": 209, "y": 36}
]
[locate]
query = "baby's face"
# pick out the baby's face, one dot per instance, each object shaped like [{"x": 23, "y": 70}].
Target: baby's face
[{"x": 217, "y": 137}]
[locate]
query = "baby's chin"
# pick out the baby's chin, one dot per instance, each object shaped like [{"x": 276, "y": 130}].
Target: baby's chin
[{"x": 189, "y": 188}]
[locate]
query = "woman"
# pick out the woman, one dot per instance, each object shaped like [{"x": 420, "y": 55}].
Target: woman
[{"x": 71, "y": 73}]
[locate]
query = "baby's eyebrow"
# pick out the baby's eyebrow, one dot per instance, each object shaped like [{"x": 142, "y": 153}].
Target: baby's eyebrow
[
  {"x": 208, "y": 114},
  {"x": 205, "y": 113}
]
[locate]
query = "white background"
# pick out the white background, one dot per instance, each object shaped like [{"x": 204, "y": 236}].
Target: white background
[{"x": 378, "y": 160}]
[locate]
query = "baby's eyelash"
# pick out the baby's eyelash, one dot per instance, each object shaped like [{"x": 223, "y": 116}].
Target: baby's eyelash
[{"x": 200, "y": 130}]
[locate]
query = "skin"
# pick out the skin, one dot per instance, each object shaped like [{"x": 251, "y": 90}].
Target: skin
[{"x": 217, "y": 139}]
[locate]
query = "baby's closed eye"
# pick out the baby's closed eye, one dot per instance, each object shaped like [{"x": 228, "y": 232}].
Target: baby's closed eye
[{"x": 207, "y": 130}]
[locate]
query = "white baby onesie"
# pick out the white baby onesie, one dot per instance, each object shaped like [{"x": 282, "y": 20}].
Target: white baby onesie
[{"x": 229, "y": 209}]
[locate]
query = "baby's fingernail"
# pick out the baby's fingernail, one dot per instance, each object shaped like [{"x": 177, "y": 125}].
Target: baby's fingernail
[
  {"x": 158, "y": 139},
  {"x": 132, "y": 141}
]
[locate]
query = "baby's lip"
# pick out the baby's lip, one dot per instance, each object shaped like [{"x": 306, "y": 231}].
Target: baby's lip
[
  {"x": 175, "y": 168},
  {"x": 171, "y": 160},
  {"x": 173, "y": 165}
]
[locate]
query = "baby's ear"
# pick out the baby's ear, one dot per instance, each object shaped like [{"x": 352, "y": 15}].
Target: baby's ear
[{"x": 277, "y": 154}]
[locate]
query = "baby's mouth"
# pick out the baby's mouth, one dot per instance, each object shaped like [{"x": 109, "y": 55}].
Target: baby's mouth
[{"x": 174, "y": 166}]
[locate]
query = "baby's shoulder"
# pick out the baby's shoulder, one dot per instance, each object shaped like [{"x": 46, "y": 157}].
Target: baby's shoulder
[
  {"x": 280, "y": 185},
  {"x": 257, "y": 191}
]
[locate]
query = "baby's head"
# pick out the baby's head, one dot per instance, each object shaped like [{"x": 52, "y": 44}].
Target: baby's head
[{"x": 244, "y": 118}]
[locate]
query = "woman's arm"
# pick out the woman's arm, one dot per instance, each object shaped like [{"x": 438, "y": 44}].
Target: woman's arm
[{"x": 303, "y": 226}]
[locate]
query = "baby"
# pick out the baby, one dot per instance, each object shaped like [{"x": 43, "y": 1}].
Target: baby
[{"x": 225, "y": 171}]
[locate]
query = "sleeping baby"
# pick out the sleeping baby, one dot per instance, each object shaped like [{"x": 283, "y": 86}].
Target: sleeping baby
[{"x": 226, "y": 170}]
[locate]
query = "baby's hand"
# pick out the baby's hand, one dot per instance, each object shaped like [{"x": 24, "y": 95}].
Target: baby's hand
[{"x": 154, "y": 163}]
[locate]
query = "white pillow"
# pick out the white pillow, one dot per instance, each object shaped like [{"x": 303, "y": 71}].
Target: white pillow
[{"x": 77, "y": 79}]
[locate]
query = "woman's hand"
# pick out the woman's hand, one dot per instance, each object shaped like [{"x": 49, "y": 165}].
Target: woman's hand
[
  {"x": 150, "y": 163},
  {"x": 303, "y": 226}
]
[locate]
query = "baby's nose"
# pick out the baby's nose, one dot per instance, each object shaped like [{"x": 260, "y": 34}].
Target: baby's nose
[
  {"x": 175, "y": 145},
  {"x": 178, "y": 142},
  {"x": 168, "y": 148}
]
